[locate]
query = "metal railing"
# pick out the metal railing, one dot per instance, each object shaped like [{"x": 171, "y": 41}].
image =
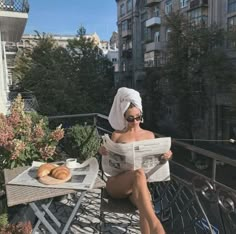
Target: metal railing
[
  {"x": 14, "y": 5},
  {"x": 193, "y": 201}
]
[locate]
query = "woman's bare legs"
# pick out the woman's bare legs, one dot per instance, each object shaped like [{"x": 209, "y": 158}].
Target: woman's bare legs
[{"x": 134, "y": 185}]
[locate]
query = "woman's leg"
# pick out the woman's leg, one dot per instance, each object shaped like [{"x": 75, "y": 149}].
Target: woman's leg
[
  {"x": 134, "y": 185},
  {"x": 141, "y": 198}
]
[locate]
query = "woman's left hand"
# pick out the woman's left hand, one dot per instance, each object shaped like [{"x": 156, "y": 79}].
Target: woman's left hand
[{"x": 168, "y": 155}]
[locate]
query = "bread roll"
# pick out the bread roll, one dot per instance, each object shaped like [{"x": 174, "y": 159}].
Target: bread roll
[
  {"x": 45, "y": 169},
  {"x": 60, "y": 173}
]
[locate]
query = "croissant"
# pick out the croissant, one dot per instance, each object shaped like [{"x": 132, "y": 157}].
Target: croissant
[
  {"x": 45, "y": 169},
  {"x": 60, "y": 173}
]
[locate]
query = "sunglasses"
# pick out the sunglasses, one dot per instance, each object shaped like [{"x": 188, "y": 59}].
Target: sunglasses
[{"x": 131, "y": 119}]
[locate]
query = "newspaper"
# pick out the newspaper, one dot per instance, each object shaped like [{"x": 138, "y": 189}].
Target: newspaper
[
  {"x": 144, "y": 154},
  {"x": 83, "y": 176}
]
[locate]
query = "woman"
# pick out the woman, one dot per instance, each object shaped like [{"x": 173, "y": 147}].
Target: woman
[{"x": 125, "y": 116}]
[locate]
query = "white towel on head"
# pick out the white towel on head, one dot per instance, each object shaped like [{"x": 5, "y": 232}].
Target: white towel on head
[{"x": 122, "y": 100}]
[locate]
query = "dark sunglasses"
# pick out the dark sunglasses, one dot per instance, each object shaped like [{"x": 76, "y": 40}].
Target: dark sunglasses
[{"x": 131, "y": 119}]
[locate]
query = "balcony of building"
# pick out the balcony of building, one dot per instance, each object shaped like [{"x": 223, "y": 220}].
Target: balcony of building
[
  {"x": 150, "y": 3},
  {"x": 126, "y": 33},
  {"x": 153, "y": 46},
  {"x": 153, "y": 21},
  {"x": 127, "y": 53},
  {"x": 13, "y": 17},
  {"x": 193, "y": 201},
  {"x": 198, "y": 3}
]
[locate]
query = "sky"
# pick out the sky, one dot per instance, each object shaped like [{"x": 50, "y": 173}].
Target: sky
[{"x": 66, "y": 16}]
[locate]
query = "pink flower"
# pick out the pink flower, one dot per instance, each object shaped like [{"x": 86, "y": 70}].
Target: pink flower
[
  {"x": 17, "y": 147},
  {"x": 57, "y": 134},
  {"x": 47, "y": 151}
]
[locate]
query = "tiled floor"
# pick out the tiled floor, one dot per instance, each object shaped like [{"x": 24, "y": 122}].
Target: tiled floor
[{"x": 88, "y": 220}]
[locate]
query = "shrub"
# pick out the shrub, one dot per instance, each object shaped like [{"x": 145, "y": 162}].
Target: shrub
[
  {"x": 26, "y": 137},
  {"x": 81, "y": 141},
  {"x": 19, "y": 228}
]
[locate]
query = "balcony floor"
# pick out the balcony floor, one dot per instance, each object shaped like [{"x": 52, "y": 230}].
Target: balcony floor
[{"x": 88, "y": 218}]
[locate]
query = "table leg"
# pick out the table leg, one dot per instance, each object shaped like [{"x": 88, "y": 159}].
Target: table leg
[
  {"x": 51, "y": 215},
  {"x": 73, "y": 213},
  {"x": 41, "y": 217},
  {"x": 39, "y": 221}
]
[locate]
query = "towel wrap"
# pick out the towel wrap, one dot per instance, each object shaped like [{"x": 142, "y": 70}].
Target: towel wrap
[{"x": 122, "y": 100}]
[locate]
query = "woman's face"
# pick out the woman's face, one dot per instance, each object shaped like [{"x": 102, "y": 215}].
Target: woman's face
[{"x": 133, "y": 116}]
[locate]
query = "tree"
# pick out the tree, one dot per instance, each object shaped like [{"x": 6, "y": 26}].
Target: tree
[
  {"x": 195, "y": 70},
  {"x": 76, "y": 79}
]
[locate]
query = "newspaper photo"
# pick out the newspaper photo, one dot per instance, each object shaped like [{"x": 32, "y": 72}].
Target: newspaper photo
[
  {"x": 144, "y": 154},
  {"x": 83, "y": 176}
]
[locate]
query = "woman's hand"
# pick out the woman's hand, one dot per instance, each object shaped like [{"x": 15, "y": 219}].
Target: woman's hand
[
  {"x": 102, "y": 150},
  {"x": 167, "y": 156}
]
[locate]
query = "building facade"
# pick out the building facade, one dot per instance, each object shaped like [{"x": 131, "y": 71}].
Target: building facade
[
  {"x": 13, "y": 18},
  {"x": 143, "y": 37}
]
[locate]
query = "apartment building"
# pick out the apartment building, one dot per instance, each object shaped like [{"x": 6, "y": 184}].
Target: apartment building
[
  {"x": 143, "y": 34},
  {"x": 143, "y": 38},
  {"x": 13, "y": 18}
]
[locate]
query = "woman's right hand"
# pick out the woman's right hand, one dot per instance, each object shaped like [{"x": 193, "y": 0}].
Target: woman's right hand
[{"x": 102, "y": 150}]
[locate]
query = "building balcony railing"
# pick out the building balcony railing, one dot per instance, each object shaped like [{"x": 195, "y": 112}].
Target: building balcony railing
[
  {"x": 153, "y": 21},
  {"x": 150, "y": 3},
  {"x": 198, "y": 3},
  {"x": 153, "y": 46},
  {"x": 15, "y": 6},
  {"x": 126, "y": 33},
  {"x": 193, "y": 201},
  {"x": 127, "y": 53}
]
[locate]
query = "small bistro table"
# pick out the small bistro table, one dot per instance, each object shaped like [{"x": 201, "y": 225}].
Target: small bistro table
[{"x": 23, "y": 194}]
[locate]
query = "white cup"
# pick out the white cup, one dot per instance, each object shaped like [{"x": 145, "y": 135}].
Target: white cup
[{"x": 71, "y": 162}]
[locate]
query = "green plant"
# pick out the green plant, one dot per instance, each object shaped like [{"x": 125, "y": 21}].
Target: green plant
[
  {"x": 26, "y": 137},
  {"x": 3, "y": 220},
  {"x": 81, "y": 141}
]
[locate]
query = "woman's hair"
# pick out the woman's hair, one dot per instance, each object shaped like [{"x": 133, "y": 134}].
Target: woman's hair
[{"x": 131, "y": 106}]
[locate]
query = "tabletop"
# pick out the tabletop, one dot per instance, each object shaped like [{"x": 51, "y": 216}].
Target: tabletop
[{"x": 21, "y": 194}]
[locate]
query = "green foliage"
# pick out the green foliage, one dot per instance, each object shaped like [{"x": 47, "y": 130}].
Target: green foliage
[
  {"x": 76, "y": 79},
  {"x": 3, "y": 219},
  {"x": 19, "y": 228},
  {"x": 81, "y": 142},
  {"x": 196, "y": 68}
]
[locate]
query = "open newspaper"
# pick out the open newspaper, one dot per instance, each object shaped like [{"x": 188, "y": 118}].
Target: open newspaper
[
  {"x": 144, "y": 154},
  {"x": 83, "y": 176}
]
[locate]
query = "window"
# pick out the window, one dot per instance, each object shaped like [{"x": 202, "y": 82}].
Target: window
[
  {"x": 123, "y": 67},
  {"x": 156, "y": 12},
  {"x": 231, "y": 6},
  {"x": 232, "y": 28},
  {"x": 129, "y": 5},
  {"x": 126, "y": 25},
  {"x": 168, "y": 7},
  {"x": 197, "y": 16},
  {"x": 157, "y": 37},
  {"x": 168, "y": 32},
  {"x": 183, "y": 3},
  {"x": 122, "y": 9}
]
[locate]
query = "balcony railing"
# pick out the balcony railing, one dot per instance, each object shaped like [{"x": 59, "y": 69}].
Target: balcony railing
[
  {"x": 152, "y": 2},
  {"x": 198, "y": 3},
  {"x": 192, "y": 201},
  {"x": 126, "y": 33},
  {"x": 14, "y": 5},
  {"x": 156, "y": 20}
]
